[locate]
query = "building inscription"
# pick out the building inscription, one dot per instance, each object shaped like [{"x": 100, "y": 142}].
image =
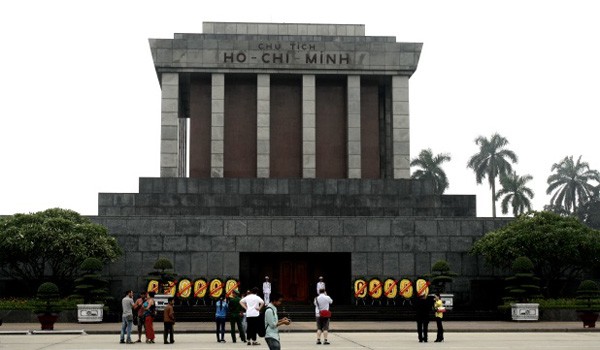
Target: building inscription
[{"x": 287, "y": 53}]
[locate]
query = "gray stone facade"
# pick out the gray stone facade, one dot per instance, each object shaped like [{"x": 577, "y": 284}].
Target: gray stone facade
[
  {"x": 404, "y": 244},
  {"x": 266, "y": 49},
  {"x": 284, "y": 197},
  {"x": 282, "y": 52}
]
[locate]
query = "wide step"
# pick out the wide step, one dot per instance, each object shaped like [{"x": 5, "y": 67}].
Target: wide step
[{"x": 199, "y": 313}]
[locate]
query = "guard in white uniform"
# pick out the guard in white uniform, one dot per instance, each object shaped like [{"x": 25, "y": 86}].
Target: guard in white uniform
[
  {"x": 320, "y": 284},
  {"x": 267, "y": 290}
]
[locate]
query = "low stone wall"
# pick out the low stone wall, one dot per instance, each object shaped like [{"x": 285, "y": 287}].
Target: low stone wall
[
  {"x": 27, "y": 316},
  {"x": 558, "y": 315}
]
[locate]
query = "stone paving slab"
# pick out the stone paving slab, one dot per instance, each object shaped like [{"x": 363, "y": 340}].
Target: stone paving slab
[{"x": 296, "y": 341}]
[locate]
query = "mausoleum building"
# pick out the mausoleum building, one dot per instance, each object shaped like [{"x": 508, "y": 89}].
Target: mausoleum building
[{"x": 285, "y": 151}]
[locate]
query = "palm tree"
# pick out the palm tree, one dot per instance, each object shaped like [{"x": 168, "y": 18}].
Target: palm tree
[
  {"x": 515, "y": 193},
  {"x": 491, "y": 161},
  {"x": 570, "y": 183},
  {"x": 431, "y": 169}
]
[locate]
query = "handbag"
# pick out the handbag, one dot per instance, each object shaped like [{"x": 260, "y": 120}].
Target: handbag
[{"x": 325, "y": 313}]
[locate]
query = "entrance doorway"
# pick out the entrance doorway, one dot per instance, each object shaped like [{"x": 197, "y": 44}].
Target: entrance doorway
[{"x": 295, "y": 275}]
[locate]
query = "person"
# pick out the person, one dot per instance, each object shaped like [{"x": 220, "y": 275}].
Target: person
[
  {"x": 149, "y": 312},
  {"x": 139, "y": 308},
  {"x": 423, "y": 306},
  {"x": 439, "y": 308},
  {"x": 220, "y": 317},
  {"x": 169, "y": 321},
  {"x": 252, "y": 303},
  {"x": 272, "y": 322},
  {"x": 267, "y": 290},
  {"x": 322, "y": 302},
  {"x": 235, "y": 317},
  {"x": 127, "y": 317},
  {"x": 320, "y": 284}
]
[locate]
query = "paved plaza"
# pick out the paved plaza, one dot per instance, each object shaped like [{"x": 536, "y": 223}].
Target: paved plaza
[
  {"x": 347, "y": 340},
  {"x": 345, "y": 335}
]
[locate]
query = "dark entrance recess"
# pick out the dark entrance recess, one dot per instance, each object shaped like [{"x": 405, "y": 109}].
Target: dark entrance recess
[{"x": 295, "y": 275}]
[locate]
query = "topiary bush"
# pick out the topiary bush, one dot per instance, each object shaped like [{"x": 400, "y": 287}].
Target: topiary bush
[
  {"x": 91, "y": 287},
  {"x": 91, "y": 264},
  {"x": 163, "y": 264},
  {"x": 163, "y": 272},
  {"x": 48, "y": 294},
  {"x": 523, "y": 285},
  {"x": 588, "y": 293},
  {"x": 440, "y": 275},
  {"x": 48, "y": 291}
]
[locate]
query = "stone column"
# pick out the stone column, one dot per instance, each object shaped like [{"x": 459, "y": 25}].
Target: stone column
[
  {"x": 400, "y": 127},
  {"x": 217, "y": 125},
  {"x": 169, "y": 126},
  {"x": 182, "y": 148},
  {"x": 309, "y": 140},
  {"x": 353, "y": 125},
  {"x": 263, "y": 129}
]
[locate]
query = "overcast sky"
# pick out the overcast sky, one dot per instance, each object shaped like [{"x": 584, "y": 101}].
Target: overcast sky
[{"x": 80, "y": 101}]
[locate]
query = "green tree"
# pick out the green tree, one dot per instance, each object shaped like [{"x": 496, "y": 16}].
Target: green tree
[
  {"x": 492, "y": 160},
  {"x": 589, "y": 212},
  {"x": 560, "y": 247},
  {"x": 431, "y": 169},
  {"x": 51, "y": 244},
  {"x": 570, "y": 183},
  {"x": 516, "y": 193}
]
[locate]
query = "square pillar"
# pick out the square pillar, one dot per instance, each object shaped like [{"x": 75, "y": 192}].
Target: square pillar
[
  {"x": 182, "y": 148},
  {"x": 263, "y": 128},
  {"x": 217, "y": 138},
  {"x": 400, "y": 128},
  {"x": 353, "y": 125},
  {"x": 309, "y": 141},
  {"x": 170, "y": 163}
]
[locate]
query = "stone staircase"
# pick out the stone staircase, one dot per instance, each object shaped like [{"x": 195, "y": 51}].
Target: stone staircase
[{"x": 303, "y": 312}]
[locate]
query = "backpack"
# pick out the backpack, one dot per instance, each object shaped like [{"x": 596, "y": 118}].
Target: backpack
[{"x": 262, "y": 331}]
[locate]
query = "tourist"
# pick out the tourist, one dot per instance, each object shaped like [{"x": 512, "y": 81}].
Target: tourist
[
  {"x": 149, "y": 314},
  {"x": 272, "y": 322},
  {"x": 423, "y": 307},
  {"x": 139, "y": 308},
  {"x": 235, "y": 317},
  {"x": 267, "y": 290},
  {"x": 169, "y": 321},
  {"x": 439, "y": 308},
  {"x": 220, "y": 317},
  {"x": 323, "y": 315},
  {"x": 127, "y": 317},
  {"x": 252, "y": 303}
]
